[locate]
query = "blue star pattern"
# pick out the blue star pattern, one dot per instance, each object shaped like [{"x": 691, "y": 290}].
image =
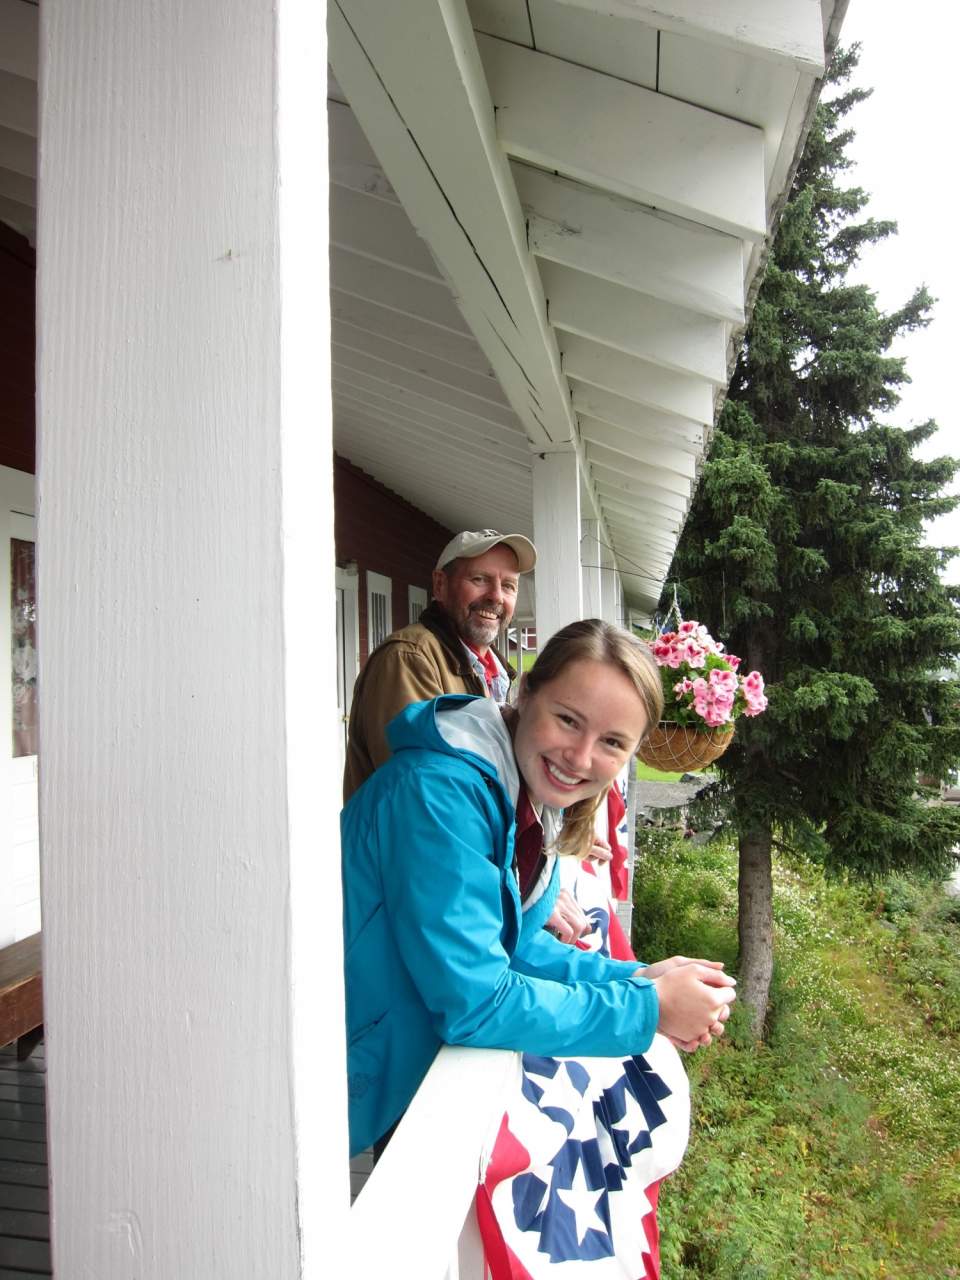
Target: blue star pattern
[{"x": 599, "y": 1132}]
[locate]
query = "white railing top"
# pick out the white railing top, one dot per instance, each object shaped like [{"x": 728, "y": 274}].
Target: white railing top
[{"x": 407, "y": 1220}]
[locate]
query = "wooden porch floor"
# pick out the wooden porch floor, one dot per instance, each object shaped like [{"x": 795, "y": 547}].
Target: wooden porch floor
[{"x": 24, "y": 1226}]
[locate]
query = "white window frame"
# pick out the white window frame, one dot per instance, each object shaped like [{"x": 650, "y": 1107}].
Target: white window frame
[
  {"x": 378, "y": 585},
  {"x": 417, "y": 601}
]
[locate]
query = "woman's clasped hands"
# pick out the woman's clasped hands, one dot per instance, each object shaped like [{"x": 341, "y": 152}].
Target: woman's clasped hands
[{"x": 695, "y": 998}]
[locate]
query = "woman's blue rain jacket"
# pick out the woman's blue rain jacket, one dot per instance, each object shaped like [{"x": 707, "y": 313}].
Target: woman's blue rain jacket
[{"x": 436, "y": 949}]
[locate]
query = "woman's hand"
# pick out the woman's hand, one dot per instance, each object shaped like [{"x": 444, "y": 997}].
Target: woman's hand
[
  {"x": 652, "y": 971},
  {"x": 600, "y": 851},
  {"x": 715, "y": 1029},
  {"x": 695, "y": 1002},
  {"x": 567, "y": 922}
]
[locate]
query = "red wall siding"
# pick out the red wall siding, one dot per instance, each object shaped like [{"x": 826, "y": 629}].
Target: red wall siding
[
  {"x": 17, "y": 343},
  {"x": 382, "y": 532}
]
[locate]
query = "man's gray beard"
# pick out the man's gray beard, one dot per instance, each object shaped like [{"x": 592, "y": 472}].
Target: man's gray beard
[{"x": 480, "y": 633}]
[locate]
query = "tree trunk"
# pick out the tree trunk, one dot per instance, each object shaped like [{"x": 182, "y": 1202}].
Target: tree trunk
[{"x": 755, "y": 927}]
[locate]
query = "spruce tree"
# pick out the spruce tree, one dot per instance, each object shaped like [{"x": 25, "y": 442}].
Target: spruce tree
[{"x": 803, "y": 552}]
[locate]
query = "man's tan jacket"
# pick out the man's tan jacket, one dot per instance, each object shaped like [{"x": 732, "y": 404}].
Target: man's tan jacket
[{"x": 415, "y": 663}]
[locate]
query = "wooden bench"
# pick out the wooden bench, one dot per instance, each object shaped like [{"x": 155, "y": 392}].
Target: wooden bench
[{"x": 21, "y": 995}]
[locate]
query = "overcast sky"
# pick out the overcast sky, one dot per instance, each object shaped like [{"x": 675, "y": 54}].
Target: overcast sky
[{"x": 905, "y": 137}]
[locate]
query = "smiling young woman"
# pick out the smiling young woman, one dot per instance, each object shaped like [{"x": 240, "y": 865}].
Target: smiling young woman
[
  {"x": 444, "y": 910},
  {"x": 583, "y": 710}
]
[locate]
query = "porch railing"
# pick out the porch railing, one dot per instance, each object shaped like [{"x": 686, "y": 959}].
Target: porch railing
[{"x": 414, "y": 1218}]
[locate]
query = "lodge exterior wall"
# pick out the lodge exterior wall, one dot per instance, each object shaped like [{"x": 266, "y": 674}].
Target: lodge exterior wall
[{"x": 383, "y": 533}]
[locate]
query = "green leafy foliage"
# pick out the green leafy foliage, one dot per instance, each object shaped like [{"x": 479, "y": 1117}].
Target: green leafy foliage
[
  {"x": 830, "y": 1150},
  {"x": 803, "y": 549}
]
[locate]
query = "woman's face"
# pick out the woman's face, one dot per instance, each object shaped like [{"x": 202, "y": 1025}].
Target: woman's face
[{"x": 576, "y": 733}]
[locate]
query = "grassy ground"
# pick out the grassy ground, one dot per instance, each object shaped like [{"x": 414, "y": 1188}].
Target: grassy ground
[
  {"x": 646, "y": 774},
  {"x": 834, "y": 1149}
]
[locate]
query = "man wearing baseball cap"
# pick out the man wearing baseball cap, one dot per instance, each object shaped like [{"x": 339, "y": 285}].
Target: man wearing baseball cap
[{"x": 449, "y": 650}]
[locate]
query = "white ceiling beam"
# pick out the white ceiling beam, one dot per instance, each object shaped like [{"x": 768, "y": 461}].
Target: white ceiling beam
[
  {"x": 650, "y": 474},
  {"x": 435, "y": 467},
  {"x": 352, "y": 424},
  {"x": 786, "y": 31},
  {"x": 630, "y": 505},
  {"x": 428, "y": 405},
  {"x": 441, "y": 392},
  {"x": 435, "y": 492},
  {"x": 644, "y": 249},
  {"x": 642, "y": 575},
  {"x": 22, "y": 217},
  {"x": 622, "y": 138},
  {"x": 594, "y": 402},
  {"x": 19, "y": 39},
  {"x": 658, "y": 539},
  {"x": 384, "y": 401},
  {"x": 352, "y": 160},
  {"x": 634, "y": 379},
  {"x": 661, "y": 519},
  {"x": 628, "y": 536},
  {"x": 15, "y": 186},
  {"x": 635, "y": 444},
  {"x": 419, "y": 335},
  {"x": 658, "y": 557},
  {"x": 615, "y": 46},
  {"x": 18, "y": 103},
  {"x": 654, "y": 453},
  {"x": 484, "y": 387},
  {"x": 659, "y": 530},
  {"x": 392, "y": 287},
  {"x": 644, "y": 564},
  {"x": 357, "y": 406},
  {"x": 380, "y": 230},
  {"x": 657, "y": 535},
  {"x": 18, "y": 152},
  {"x": 414, "y": 78},
  {"x": 507, "y": 18},
  {"x": 630, "y": 488},
  {"x": 654, "y": 560},
  {"x": 636, "y": 324}
]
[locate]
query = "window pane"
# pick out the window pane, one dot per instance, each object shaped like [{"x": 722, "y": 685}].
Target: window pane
[{"x": 23, "y": 617}]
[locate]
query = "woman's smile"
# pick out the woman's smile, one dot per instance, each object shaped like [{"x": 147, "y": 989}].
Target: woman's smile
[
  {"x": 576, "y": 733},
  {"x": 564, "y": 779}
]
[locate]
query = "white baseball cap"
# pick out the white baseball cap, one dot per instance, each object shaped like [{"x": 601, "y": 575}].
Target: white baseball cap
[{"x": 465, "y": 546}]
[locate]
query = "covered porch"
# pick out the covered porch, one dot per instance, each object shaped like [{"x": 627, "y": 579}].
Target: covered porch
[{"x": 545, "y": 224}]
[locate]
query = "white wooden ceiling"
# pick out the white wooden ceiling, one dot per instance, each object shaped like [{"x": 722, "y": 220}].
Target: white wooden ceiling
[
  {"x": 587, "y": 187},
  {"x": 18, "y": 116},
  {"x": 546, "y": 220}
]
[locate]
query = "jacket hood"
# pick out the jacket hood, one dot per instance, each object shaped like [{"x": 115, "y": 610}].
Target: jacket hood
[{"x": 460, "y": 725}]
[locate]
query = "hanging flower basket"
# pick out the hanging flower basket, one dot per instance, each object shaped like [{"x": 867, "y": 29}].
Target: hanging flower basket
[
  {"x": 677, "y": 748},
  {"x": 703, "y": 693}
]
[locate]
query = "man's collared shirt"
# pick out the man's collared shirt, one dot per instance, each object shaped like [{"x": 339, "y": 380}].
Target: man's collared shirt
[{"x": 490, "y": 671}]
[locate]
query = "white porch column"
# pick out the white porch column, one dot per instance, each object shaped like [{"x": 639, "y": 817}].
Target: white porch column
[
  {"x": 556, "y": 532},
  {"x": 591, "y": 565},
  {"x": 188, "y": 801},
  {"x": 610, "y": 583}
]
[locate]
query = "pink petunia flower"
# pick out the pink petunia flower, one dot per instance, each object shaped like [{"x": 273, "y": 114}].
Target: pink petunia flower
[{"x": 724, "y": 680}]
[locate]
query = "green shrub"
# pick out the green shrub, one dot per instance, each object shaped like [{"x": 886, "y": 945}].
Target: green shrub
[{"x": 831, "y": 1150}]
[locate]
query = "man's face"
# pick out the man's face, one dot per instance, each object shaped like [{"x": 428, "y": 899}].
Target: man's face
[{"x": 480, "y": 594}]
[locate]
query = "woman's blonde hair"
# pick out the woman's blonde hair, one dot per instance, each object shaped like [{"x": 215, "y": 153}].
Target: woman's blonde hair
[{"x": 597, "y": 641}]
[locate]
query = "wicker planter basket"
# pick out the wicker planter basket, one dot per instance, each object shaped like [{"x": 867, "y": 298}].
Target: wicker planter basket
[{"x": 675, "y": 748}]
